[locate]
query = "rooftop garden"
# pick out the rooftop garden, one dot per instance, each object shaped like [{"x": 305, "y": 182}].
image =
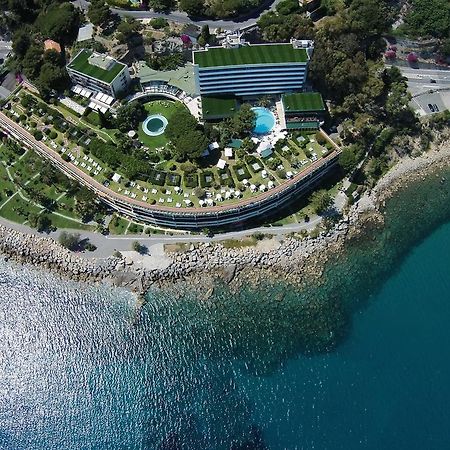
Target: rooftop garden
[
  {"x": 303, "y": 102},
  {"x": 218, "y": 107},
  {"x": 250, "y": 54},
  {"x": 81, "y": 64}
]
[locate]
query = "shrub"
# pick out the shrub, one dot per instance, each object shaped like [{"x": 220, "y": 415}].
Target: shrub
[
  {"x": 38, "y": 135},
  {"x": 137, "y": 247},
  {"x": 199, "y": 192},
  {"x": 69, "y": 240},
  {"x": 53, "y": 134},
  {"x": 158, "y": 23},
  {"x": 320, "y": 138}
]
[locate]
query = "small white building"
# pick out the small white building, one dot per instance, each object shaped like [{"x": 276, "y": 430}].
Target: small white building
[
  {"x": 116, "y": 178},
  {"x": 221, "y": 164}
]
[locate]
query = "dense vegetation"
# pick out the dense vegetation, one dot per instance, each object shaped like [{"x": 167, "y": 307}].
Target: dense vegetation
[
  {"x": 187, "y": 138},
  {"x": 31, "y": 24},
  {"x": 287, "y": 21},
  {"x": 428, "y": 18},
  {"x": 217, "y": 8}
]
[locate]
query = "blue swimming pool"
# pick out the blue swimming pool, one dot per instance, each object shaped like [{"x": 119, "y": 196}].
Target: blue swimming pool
[
  {"x": 154, "y": 125},
  {"x": 265, "y": 120}
]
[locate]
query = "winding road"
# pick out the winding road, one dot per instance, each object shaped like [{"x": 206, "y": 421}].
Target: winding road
[{"x": 245, "y": 21}]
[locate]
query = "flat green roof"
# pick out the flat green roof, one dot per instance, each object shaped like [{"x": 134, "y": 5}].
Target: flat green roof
[
  {"x": 303, "y": 102},
  {"x": 250, "y": 54},
  {"x": 182, "y": 78},
  {"x": 219, "y": 107},
  {"x": 302, "y": 125},
  {"x": 81, "y": 64}
]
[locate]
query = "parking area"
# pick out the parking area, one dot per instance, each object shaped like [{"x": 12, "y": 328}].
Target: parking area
[{"x": 431, "y": 103}]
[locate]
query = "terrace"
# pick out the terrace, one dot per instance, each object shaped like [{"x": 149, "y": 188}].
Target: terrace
[{"x": 244, "y": 175}]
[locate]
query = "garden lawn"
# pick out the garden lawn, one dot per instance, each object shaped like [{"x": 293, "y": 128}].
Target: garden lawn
[
  {"x": 164, "y": 107},
  {"x": 62, "y": 222},
  {"x": 118, "y": 225}
]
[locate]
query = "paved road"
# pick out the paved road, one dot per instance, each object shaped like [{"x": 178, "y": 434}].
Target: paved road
[
  {"x": 5, "y": 48},
  {"x": 183, "y": 18},
  {"x": 419, "y": 80},
  {"x": 106, "y": 245}
]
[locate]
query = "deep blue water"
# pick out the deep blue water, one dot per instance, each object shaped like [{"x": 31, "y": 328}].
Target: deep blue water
[{"x": 78, "y": 371}]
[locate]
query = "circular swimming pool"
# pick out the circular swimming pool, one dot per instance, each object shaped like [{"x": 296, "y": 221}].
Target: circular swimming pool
[
  {"x": 154, "y": 125},
  {"x": 265, "y": 120}
]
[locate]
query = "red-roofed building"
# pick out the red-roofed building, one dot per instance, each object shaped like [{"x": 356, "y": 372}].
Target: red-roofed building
[{"x": 49, "y": 44}]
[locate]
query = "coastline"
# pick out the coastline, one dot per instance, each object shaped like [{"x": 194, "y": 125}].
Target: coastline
[{"x": 291, "y": 259}]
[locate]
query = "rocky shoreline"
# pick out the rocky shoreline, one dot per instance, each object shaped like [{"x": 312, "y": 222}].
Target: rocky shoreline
[{"x": 293, "y": 258}]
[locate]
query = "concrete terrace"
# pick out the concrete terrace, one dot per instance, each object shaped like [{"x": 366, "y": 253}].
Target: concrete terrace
[{"x": 250, "y": 55}]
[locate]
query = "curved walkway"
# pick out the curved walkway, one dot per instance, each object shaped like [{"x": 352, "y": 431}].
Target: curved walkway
[{"x": 246, "y": 21}]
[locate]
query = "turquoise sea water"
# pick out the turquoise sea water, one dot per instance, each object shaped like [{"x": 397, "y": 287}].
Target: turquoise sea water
[{"x": 78, "y": 371}]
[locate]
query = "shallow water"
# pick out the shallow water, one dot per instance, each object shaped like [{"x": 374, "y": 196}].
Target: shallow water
[{"x": 77, "y": 371}]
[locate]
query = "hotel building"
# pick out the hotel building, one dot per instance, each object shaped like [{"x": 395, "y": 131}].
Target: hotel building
[
  {"x": 245, "y": 70},
  {"x": 99, "y": 73}
]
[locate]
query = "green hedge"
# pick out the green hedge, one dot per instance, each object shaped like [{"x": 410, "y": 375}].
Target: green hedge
[
  {"x": 204, "y": 183},
  {"x": 157, "y": 177},
  {"x": 173, "y": 179},
  {"x": 245, "y": 175},
  {"x": 190, "y": 180}
]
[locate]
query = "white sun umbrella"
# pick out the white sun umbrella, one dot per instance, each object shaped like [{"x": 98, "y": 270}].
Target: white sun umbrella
[
  {"x": 210, "y": 202},
  {"x": 252, "y": 187},
  {"x": 237, "y": 193},
  {"x": 201, "y": 202},
  {"x": 227, "y": 195},
  {"x": 270, "y": 185},
  {"x": 245, "y": 182},
  {"x": 262, "y": 188},
  {"x": 219, "y": 197}
]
